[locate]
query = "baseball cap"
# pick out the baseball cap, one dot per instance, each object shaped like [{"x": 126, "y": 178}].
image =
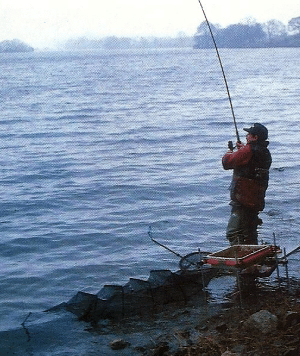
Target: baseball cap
[{"x": 258, "y": 129}]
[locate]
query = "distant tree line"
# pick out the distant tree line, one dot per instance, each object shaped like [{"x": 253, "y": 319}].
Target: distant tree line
[
  {"x": 14, "y": 46},
  {"x": 250, "y": 34},
  {"x": 113, "y": 42},
  {"x": 246, "y": 34}
]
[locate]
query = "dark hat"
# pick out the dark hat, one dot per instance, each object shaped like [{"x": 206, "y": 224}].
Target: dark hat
[{"x": 260, "y": 130}]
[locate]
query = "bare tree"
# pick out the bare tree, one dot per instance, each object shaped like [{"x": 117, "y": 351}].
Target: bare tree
[
  {"x": 275, "y": 30},
  {"x": 294, "y": 25},
  {"x": 250, "y": 21},
  {"x": 203, "y": 37}
]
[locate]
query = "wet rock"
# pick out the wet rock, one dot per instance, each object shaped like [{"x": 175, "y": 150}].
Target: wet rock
[
  {"x": 201, "y": 328},
  {"x": 238, "y": 349},
  {"x": 293, "y": 342},
  {"x": 119, "y": 344},
  {"x": 184, "y": 334},
  {"x": 291, "y": 319},
  {"x": 262, "y": 321},
  {"x": 141, "y": 349},
  {"x": 204, "y": 346},
  {"x": 292, "y": 352},
  {"x": 161, "y": 350},
  {"x": 221, "y": 327}
]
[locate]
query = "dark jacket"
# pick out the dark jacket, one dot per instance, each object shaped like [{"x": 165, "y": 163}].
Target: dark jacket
[{"x": 250, "y": 179}]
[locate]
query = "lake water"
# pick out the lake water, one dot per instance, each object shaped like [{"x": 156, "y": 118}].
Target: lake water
[{"x": 96, "y": 147}]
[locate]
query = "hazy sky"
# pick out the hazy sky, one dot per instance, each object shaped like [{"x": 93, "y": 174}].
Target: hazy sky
[{"x": 40, "y": 22}]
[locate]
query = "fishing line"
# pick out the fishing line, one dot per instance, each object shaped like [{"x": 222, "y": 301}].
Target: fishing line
[{"x": 223, "y": 72}]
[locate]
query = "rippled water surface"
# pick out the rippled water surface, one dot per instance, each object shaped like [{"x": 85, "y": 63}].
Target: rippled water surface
[{"x": 97, "y": 147}]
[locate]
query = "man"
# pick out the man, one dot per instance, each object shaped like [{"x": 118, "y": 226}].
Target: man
[{"x": 250, "y": 164}]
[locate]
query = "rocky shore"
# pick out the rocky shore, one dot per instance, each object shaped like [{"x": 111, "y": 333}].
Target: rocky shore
[{"x": 262, "y": 321}]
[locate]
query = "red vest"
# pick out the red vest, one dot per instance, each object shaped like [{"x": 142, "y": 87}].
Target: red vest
[
  {"x": 248, "y": 192},
  {"x": 250, "y": 166}
]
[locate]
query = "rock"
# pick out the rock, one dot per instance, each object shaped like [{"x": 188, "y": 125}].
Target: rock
[
  {"x": 119, "y": 344},
  {"x": 293, "y": 342},
  {"x": 184, "y": 334},
  {"x": 238, "y": 349},
  {"x": 221, "y": 327},
  {"x": 262, "y": 321},
  {"x": 205, "y": 347},
  {"x": 229, "y": 353},
  {"x": 161, "y": 349},
  {"x": 292, "y": 352},
  {"x": 201, "y": 328},
  {"x": 291, "y": 319}
]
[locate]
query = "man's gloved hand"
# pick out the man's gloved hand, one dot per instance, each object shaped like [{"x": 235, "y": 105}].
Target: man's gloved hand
[{"x": 239, "y": 145}]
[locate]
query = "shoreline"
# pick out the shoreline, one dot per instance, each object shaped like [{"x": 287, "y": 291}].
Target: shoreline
[
  {"x": 220, "y": 329},
  {"x": 198, "y": 327}
]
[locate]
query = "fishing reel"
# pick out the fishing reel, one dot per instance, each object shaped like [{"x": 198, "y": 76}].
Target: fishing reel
[{"x": 230, "y": 145}]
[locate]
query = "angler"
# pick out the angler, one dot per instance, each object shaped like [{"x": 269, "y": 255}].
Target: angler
[{"x": 250, "y": 164}]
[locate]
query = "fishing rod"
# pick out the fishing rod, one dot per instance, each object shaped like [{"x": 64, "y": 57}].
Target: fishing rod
[{"x": 223, "y": 72}]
